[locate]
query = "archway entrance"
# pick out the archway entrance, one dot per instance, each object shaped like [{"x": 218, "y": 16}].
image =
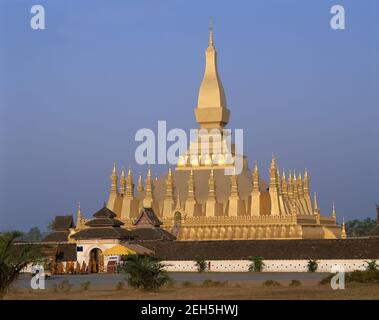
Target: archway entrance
[
  {"x": 96, "y": 261},
  {"x": 177, "y": 223}
]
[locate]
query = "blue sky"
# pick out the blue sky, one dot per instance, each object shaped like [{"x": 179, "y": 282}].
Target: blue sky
[{"x": 72, "y": 96}]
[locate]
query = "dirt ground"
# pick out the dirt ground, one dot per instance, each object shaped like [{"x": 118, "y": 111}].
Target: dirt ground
[{"x": 246, "y": 290}]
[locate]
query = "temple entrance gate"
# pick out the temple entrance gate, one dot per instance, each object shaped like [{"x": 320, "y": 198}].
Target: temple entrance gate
[{"x": 96, "y": 261}]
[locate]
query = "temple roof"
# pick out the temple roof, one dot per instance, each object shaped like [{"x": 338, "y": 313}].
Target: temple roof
[
  {"x": 103, "y": 233},
  {"x": 63, "y": 223},
  {"x": 104, "y": 218},
  {"x": 104, "y": 212},
  {"x": 146, "y": 234},
  {"x": 57, "y": 236},
  {"x": 61, "y": 229},
  {"x": 100, "y": 222},
  {"x": 147, "y": 217},
  {"x": 103, "y": 226}
]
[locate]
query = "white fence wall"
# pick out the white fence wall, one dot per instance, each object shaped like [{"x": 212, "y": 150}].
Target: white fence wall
[{"x": 270, "y": 265}]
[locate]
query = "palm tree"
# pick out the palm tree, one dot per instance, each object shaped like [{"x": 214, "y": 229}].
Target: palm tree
[
  {"x": 256, "y": 264},
  {"x": 13, "y": 260},
  {"x": 201, "y": 264},
  {"x": 371, "y": 265},
  {"x": 145, "y": 272},
  {"x": 312, "y": 265}
]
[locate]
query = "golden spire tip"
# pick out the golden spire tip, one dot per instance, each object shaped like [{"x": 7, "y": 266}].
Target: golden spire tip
[{"x": 210, "y": 32}]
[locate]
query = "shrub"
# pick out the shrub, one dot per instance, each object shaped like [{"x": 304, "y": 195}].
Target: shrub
[
  {"x": 187, "y": 284},
  {"x": 312, "y": 265},
  {"x": 211, "y": 283},
  {"x": 256, "y": 264},
  {"x": 271, "y": 283},
  {"x": 145, "y": 272},
  {"x": 63, "y": 286},
  {"x": 367, "y": 276},
  {"x": 201, "y": 264},
  {"x": 120, "y": 285},
  {"x": 295, "y": 283},
  {"x": 371, "y": 265},
  {"x": 85, "y": 285}
]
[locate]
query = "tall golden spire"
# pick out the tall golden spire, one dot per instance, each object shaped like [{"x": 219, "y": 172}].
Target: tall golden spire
[
  {"x": 300, "y": 189},
  {"x": 210, "y": 44},
  {"x": 140, "y": 184},
  {"x": 306, "y": 182},
  {"x": 122, "y": 181},
  {"x": 147, "y": 201},
  {"x": 148, "y": 183},
  {"x": 284, "y": 184},
  {"x": 191, "y": 186},
  {"x": 129, "y": 190},
  {"x": 113, "y": 178},
  {"x": 191, "y": 199},
  {"x": 343, "y": 230},
  {"x": 256, "y": 177},
  {"x": 79, "y": 218},
  {"x": 169, "y": 186},
  {"x": 273, "y": 173},
  {"x": 211, "y": 186},
  {"x": 211, "y": 110},
  {"x": 295, "y": 186},
  {"x": 290, "y": 185},
  {"x": 316, "y": 209},
  {"x": 168, "y": 202},
  {"x": 334, "y": 213},
  {"x": 233, "y": 184}
]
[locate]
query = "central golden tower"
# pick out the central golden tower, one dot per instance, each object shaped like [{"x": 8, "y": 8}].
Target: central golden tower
[{"x": 211, "y": 111}]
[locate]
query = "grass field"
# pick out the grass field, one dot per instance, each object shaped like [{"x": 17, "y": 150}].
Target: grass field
[{"x": 208, "y": 290}]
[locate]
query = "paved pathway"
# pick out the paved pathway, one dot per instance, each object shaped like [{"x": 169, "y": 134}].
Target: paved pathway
[{"x": 112, "y": 279}]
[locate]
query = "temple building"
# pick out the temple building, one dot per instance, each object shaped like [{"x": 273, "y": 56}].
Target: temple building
[{"x": 197, "y": 200}]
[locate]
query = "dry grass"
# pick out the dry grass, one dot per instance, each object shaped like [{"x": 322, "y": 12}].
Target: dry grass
[{"x": 232, "y": 290}]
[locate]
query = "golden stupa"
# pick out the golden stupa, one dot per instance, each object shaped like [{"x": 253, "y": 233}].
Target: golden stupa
[{"x": 198, "y": 201}]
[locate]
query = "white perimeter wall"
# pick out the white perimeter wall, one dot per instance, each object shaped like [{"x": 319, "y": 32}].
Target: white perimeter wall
[{"x": 270, "y": 265}]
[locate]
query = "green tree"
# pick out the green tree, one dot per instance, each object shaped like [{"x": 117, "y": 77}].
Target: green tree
[
  {"x": 34, "y": 234},
  {"x": 256, "y": 264},
  {"x": 13, "y": 259},
  {"x": 201, "y": 264},
  {"x": 359, "y": 228},
  {"x": 50, "y": 226},
  {"x": 371, "y": 265},
  {"x": 144, "y": 272},
  {"x": 312, "y": 265}
]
